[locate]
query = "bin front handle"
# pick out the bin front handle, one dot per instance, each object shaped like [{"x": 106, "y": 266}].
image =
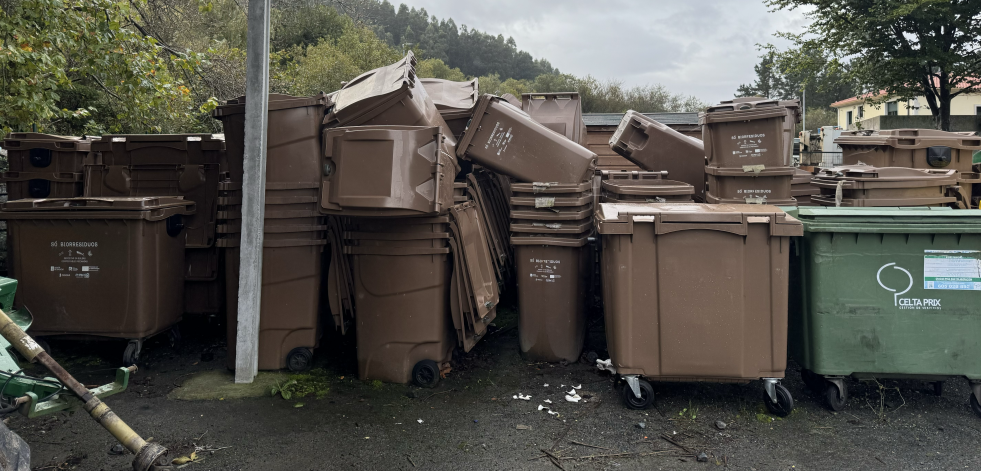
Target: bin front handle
[{"x": 661, "y": 228}]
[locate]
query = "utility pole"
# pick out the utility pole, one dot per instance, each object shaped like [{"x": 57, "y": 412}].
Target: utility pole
[{"x": 253, "y": 191}]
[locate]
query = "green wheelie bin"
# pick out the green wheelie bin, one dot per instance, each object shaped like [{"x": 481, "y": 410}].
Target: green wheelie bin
[{"x": 886, "y": 293}]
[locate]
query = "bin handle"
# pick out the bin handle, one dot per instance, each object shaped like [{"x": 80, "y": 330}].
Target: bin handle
[{"x": 661, "y": 228}]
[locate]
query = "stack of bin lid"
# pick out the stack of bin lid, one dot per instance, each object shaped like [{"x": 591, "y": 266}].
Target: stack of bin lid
[
  {"x": 801, "y": 187},
  {"x": 454, "y": 100},
  {"x": 748, "y": 152},
  {"x": 506, "y": 140},
  {"x": 552, "y": 211},
  {"x": 865, "y": 186},
  {"x": 643, "y": 187},
  {"x": 489, "y": 193},
  {"x": 560, "y": 112},
  {"x": 44, "y": 165},
  {"x": 655, "y": 147},
  {"x": 387, "y": 171}
]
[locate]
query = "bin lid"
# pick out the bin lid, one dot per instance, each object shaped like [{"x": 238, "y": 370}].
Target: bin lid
[
  {"x": 30, "y": 140},
  {"x": 618, "y": 218},
  {"x": 911, "y": 220},
  {"x": 374, "y": 91},
  {"x": 151, "y": 208},
  {"x": 910, "y": 139},
  {"x": 743, "y": 111},
  {"x": 277, "y": 101},
  {"x": 792, "y": 105},
  {"x": 867, "y": 177},
  {"x": 448, "y": 95},
  {"x": 648, "y": 187},
  {"x": 551, "y": 187},
  {"x": 560, "y": 112}
]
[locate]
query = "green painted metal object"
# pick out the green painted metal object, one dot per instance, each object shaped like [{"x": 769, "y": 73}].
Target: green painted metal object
[
  {"x": 887, "y": 292},
  {"x": 38, "y": 396}
]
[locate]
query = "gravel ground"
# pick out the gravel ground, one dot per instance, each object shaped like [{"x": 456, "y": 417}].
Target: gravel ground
[{"x": 471, "y": 421}]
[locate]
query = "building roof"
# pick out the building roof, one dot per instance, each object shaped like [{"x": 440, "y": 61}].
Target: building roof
[
  {"x": 862, "y": 98},
  {"x": 613, "y": 119}
]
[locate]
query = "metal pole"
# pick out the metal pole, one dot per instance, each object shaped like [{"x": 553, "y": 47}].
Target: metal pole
[
  {"x": 803, "y": 105},
  {"x": 253, "y": 191}
]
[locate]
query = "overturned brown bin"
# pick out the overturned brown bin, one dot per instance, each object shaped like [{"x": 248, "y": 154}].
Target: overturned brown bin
[
  {"x": 656, "y": 147},
  {"x": 506, "y": 140},
  {"x": 387, "y": 171},
  {"x": 696, "y": 292},
  {"x": 99, "y": 267}
]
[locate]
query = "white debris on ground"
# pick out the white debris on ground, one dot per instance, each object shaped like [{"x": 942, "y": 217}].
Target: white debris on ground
[
  {"x": 606, "y": 365},
  {"x": 522, "y": 397}
]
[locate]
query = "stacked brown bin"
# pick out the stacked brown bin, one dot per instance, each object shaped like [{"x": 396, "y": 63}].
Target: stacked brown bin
[
  {"x": 916, "y": 148},
  {"x": 100, "y": 267},
  {"x": 643, "y": 187},
  {"x": 454, "y": 100},
  {"x": 748, "y": 152},
  {"x": 185, "y": 165},
  {"x": 657, "y": 148},
  {"x": 294, "y": 231},
  {"x": 802, "y": 189},
  {"x": 697, "y": 292},
  {"x": 866, "y": 186},
  {"x": 44, "y": 165}
]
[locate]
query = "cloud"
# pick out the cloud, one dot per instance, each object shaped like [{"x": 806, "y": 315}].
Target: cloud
[{"x": 705, "y": 48}]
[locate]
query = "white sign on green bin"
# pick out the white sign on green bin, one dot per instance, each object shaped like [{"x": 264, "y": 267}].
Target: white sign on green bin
[{"x": 952, "y": 269}]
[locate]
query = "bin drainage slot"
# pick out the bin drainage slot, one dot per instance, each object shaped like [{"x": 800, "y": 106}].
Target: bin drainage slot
[{"x": 634, "y": 383}]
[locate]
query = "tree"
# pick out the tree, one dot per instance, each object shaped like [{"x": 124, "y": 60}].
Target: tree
[
  {"x": 905, "y": 48},
  {"x": 766, "y": 79}
]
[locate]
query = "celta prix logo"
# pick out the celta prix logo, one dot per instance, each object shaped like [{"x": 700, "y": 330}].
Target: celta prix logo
[{"x": 905, "y": 303}]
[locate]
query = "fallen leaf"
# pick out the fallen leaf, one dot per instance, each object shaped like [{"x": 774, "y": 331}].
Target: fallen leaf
[
  {"x": 523, "y": 427},
  {"x": 298, "y": 405}
]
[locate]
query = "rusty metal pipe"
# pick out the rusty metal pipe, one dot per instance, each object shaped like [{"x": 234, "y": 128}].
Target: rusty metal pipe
[{"x": 148, "y": 455}]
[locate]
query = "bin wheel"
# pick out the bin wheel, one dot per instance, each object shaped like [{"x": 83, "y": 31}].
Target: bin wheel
[
  {"x": 645, "y": 400},
  {"x": 785, "y": 402},
  {"x": 132, "y": 353},
  {"x": 299, "y": 359},
  {"x": 975, "y": 405},
  {"x": 43, "y": 344},
  {"x": 174, "y": 338},
  {"x": 812, "y": 380},
  {"x": 938, "y": 388},
  {"x": 835, "y": 397},
  {"x": 425, "y": 374}
]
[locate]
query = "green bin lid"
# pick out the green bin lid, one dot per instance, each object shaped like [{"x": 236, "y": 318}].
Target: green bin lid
[{"x": 909, "y": 220}]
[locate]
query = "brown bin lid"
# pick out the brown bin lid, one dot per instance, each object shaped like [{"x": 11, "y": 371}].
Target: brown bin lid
[
  {"x": 792, "y": 105},
  {"x": 743, "y": 111},
  {"x": 574, "y": 227},
  {"x": 152, "y": 208},
  {"x": 750, "y": 171},
  {"x": 867, "y": 177},
  {"x": 710, "y": 198},
  {"x": 451, "y": 96},
  {"x": 879, "y": 203},
  {"x": 631, "y": 175},
  {"x": 564, "y": 214},
  {"x": 277, "y": 101},
  {"x": 618, "y": 218},
  {"x": 34, "y": 140},
  {"x": 372, "y": 92},
  {"x": 550, "y": 201},
  {"x": 910, "y": 139},
  {"x": 801, "y": 177},
  {"x": 546, "y": 187},
  {"x": 550, "y": 239},
  {"x": 648, "y": 187}
]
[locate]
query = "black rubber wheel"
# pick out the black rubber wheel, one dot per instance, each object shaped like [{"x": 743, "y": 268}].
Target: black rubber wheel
[
  {"x": 975, "y": 406},
  {"x": 834, "y": 397},
  {"x": 131, "y": 354},
  {"x": 785, "y": 402},
  {"x": 425, "y": 374},
  {"x": 299, "y": 359},
  {"x": 938, "y": 388},
  {"x": 645, "y": 400},
  {"x": 43, "y": 344},
  {"x": 174, "y": 338},
  {"x": 812, "y": 380}
]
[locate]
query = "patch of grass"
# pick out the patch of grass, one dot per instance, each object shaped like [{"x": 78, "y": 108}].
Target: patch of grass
[
  {"x": 315, "y": 383},
  {"x": 690, "y": 413},
  {"x": 377, "y": 384}
]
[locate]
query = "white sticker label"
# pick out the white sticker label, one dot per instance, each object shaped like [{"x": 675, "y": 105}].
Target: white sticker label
[
  {"x": 952, "y": 269},
  {"x": 749, "y": 145},
  {"x": 544, "y": 270}
]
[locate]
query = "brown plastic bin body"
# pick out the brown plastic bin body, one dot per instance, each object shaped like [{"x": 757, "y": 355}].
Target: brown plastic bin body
[
  {"x": 789, "y": 124},
  {"x": 866, "y": 186},
  {"x": 552, "y": 279},
  {"x": 104, "y": 267},
  {"x": 802, "y": 189},
  {"x": 656, "y": 147},
  {"x": 194, "y": 182},
  {"x": 203, "y": 297},
  {"x": 913, "y": 148},
  {"x": 745, "y": 133},
  {"x": 506, "y": 140},
  {"x": 290, "y": 306},
  {"x": 45, "y": 153},
  {"x": 696, "y": 292},
  {"x": 560, "y": 112},
  {"x": 735, "y": 183},
  {"x": 387, "y": 171},
  {"x": 21, "y": 185},
  {"x": 293, "y": 142}
]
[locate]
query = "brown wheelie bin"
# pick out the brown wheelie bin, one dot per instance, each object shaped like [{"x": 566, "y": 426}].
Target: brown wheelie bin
[
  {"x": 913, "y": 148},
  {"x": 44, "y": 165},
  {"x": 656, "y": 147},
  {"x": 387, "y": 171},
  {"x": 865, "y": 186},
  {"x": 100, "y": 267},
  {"x": 745, "y": 133},
  {"x": 802, "y": 189},
  {"x": 789, "y": 124},
  {"x": 697, "y": 292},
  {"x": 759, "y": 185},
  {"x": 508, "y": 141},
  {"x": 560, "y": 112}
]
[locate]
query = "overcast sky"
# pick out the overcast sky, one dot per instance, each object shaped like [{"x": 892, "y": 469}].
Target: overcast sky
[{"x": 705, "y": 48}]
